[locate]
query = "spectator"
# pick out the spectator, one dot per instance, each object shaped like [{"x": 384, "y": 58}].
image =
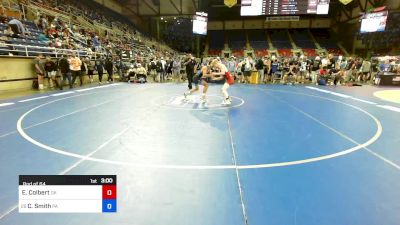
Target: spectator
[
  {"x": 169, "y": 65},
  {"x": 160, "y": 70},
  {"x": 176, "y": 69},
  {"x": 9, "y": 32},
  {"x": 164, "y": 69},
  {"x": 96, "y": 43},
  {"x": 83, "y": 66},
  {"x": 231, "y": 66},
  {"x": 260, "y": 68},
  {"x": 17, "y": 27},
  {"x": 141, "y": 74},
  {"x": 64, "y": 67},
  {"x": 40, "y": 71},
  {"x": 75, "y": 66},
  {"x": 152, "y": 66},
  {"x": 100, "y": 69},
  {"x": 119, "y": 66},
  {"x": 247, "y": 68},
  {"x": 51, "y": 69},
  {"x": 91, "y": 66},
  {"x": 109, "y": 66},
  {"x": 315, "y": 67},
  {"x": 365, "y": 70},
  {"x": 302, "y": 69}
]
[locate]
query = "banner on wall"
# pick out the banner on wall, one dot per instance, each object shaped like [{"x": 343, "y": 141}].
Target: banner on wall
[{"x": 230, "y": 3}]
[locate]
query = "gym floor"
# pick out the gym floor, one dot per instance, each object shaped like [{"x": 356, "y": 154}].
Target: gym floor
[{"x": 278, "y": 155}]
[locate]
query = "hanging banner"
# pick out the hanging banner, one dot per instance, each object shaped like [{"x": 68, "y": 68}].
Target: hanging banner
[{"x": 230, "y": 3}]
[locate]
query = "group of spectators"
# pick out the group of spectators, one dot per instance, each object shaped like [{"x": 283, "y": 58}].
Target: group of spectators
[
  {"x": 320, "y": 70},
  {"x": 70, "y": 66}
]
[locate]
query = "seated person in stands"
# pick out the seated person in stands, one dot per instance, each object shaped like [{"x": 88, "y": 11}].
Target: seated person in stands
[
  {"x": 17, "y": 27},
  {"x": 3, "y": 19},
  {"x": 42, "y": 38},
  {"x": 9, "y": 32}
]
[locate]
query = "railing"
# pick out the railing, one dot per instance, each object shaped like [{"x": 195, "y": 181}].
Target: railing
[{"x": 30, "y": 51}]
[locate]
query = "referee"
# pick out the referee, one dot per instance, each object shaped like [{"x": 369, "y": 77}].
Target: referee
[{"x": 190, "y": 63}]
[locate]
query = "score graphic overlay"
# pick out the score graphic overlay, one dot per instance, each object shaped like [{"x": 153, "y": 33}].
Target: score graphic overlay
[{"x": 67, "y": 193}]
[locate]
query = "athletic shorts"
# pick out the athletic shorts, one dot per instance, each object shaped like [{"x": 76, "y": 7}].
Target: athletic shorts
[{"x": 197, "y": 79}]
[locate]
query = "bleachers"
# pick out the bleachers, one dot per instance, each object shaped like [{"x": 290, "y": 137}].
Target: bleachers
[
  {"x": 216, "y": 40},
  {"x": 214, "y": 52},
  {"x": 285, "y": 52},
  {"x": 237, "y": 39},
  {"x": 311, "y": 52},
  {"x": 334, "y": 51},
  {"x": 323, "y": 38},
  {"x": 280, "y": 39},
  {"x": 238, "y": 53},
  {"x": 302, "y": 39},
  {"x": 257, "y": 39},
  {"x": 261, "y": 53},
  {"x": 17, "y": 44}
]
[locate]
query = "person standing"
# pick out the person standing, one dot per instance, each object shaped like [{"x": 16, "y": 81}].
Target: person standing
[
  {"x": 267, "y": 69},
  {"x": 100, "y": 69},
  {"x": 109, "y": 66},
  {"x": 120, "y": 67},
  {"x": 190, "y": 63},
  {"x": 51, "y": 70},
  {"x": 152, "y": 67},
  {"x": 159, "y": 70},
  {"x": 63, "y": 65},
  {"x": 75, "y": 66},
  {"x": 231, "y": 65},
  {"x": 164, "y": 69},
  {"x": 260, "y": 68},
  {"x": 176, "y": 67},
  {"x": 366, "y": 70},
  {"x": 39, "y": 68},
  {"x": 84, "y": 66},
  {"x": 315, "y": 67},
  {"x": 247, "y": 68},
  {"x": 91, "y": 68}
]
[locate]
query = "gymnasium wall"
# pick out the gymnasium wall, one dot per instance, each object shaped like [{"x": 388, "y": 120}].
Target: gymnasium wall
[{"x": 16, "y": 73}]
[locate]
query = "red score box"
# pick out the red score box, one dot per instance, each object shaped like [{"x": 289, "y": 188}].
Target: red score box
[{"x": 109, "y": 191}]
